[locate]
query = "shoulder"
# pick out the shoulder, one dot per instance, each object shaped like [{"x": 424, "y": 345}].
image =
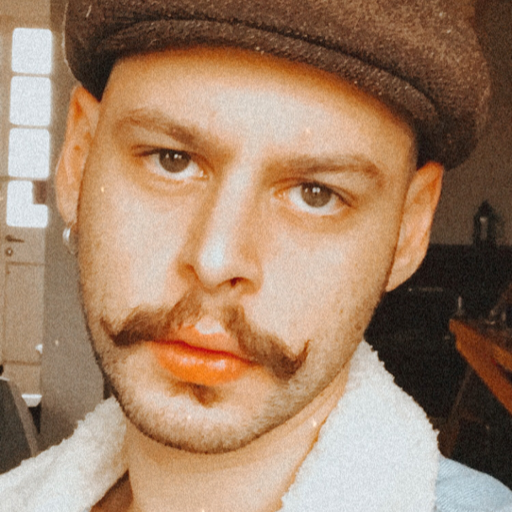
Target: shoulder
[{"x": 462, "y": 489}]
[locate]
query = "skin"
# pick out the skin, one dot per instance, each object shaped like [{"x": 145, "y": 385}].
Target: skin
[{"x": 238, "y": 228}]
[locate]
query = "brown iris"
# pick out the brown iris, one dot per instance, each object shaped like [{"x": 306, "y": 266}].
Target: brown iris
[
  {"x": 315, "y": 195},
  {"x": 173, "y": 161}
]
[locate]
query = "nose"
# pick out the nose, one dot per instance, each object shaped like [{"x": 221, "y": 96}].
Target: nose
[{"x": 223, "y": 244}]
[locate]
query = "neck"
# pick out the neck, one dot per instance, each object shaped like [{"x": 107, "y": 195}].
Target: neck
[{"x": 169, "y": 479}]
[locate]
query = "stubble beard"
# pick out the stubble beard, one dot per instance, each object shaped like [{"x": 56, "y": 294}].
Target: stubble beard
[
  {"x": 189, "y": 416},
  {"x": 202, "y": 419}
]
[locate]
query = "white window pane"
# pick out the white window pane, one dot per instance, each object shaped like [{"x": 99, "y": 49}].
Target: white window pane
[
  {"x": 21, "y": 211},
  {"x": 30, "y": 100},
  {"x": 32, "y": 51},
  {"x": 29, "y": 153}
]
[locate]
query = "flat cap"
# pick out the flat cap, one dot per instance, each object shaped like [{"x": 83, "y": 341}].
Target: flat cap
[{"x": 419, "y": 57}]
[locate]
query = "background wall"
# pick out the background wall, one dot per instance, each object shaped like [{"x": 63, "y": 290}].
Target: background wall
[
  {"x": 35, "y": 10},
  {"x": 488, "y": 173}
]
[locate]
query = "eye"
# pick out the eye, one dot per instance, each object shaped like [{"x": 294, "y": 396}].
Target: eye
[
  {"x": 315, "y": 198},
  {"x": 177, "y": 165}
]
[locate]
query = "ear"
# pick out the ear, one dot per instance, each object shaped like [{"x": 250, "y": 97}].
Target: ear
[
  {"x": 81, "y": 125},
  {"x": 419, "y": 208}
]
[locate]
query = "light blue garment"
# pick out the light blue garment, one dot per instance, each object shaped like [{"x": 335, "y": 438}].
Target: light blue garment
[{"x": 462, "y": 489}]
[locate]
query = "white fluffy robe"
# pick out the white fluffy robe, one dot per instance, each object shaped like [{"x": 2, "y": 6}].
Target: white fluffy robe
[{"x": 377, "y": 452}]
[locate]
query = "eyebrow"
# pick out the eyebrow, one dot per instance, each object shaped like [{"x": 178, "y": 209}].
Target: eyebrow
[
  {"x": 356, "y": 164},
  {"x": 155, "y": 121}
]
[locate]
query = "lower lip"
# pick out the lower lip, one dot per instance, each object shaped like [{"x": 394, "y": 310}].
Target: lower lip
[{"x": 196, "y": 365}]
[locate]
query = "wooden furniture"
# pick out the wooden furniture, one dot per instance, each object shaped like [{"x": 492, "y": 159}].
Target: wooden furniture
[{"x": 488, "y": 352}]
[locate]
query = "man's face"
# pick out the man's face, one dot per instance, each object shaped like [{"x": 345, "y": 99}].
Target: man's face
[{"x": 242, "y": 196}]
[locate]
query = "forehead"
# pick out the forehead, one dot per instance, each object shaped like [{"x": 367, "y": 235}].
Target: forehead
[{"x": 239, "y": 93}]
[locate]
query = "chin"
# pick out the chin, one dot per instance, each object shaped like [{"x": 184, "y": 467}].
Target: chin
[
  {"x": 201, "y": 419},
  {"x": 187, "y": 423}
]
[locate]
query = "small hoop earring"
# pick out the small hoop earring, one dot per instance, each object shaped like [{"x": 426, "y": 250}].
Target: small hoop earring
[{"x": 70, "y": 240}]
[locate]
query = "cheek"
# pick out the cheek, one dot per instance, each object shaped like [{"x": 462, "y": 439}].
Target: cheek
[
  {"x": 312, "y": 288},
  {"x": 128, "y": 244}
]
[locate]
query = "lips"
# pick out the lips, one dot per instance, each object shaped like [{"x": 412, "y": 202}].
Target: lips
[{"x": 201, "y": 354}]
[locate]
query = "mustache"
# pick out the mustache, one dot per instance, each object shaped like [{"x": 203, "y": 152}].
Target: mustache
[{"x": 268, "y": 350}]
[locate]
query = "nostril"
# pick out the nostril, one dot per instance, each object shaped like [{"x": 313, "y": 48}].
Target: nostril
[{"x": 234, "y": 281}]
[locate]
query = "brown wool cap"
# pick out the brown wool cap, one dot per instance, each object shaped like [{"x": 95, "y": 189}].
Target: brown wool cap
[{"x": 420, "y": 57}]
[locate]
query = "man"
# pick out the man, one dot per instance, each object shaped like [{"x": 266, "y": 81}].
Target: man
[{"x": 245, "y": 180}]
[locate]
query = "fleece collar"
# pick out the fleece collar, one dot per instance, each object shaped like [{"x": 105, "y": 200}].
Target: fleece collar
[{"x": 377, "y": 452}]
